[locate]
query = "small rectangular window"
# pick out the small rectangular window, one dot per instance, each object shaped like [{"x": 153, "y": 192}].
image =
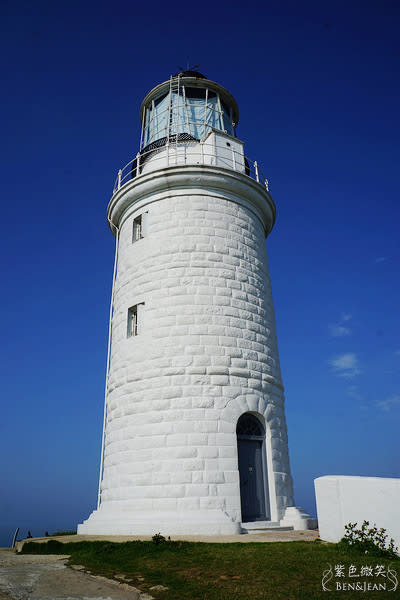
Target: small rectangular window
[
  {"x": 132, "y": 321},
  {"x": 137, "y": 229},
  {"x": 135, "y": 318}
]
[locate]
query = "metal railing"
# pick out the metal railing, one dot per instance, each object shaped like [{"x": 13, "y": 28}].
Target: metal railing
[{"x": 183, "y": 151}]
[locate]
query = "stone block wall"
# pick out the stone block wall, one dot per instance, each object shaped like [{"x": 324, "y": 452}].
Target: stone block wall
[{"x": 205, "y": 353}]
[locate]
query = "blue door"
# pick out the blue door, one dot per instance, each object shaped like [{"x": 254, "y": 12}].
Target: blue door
[{"x": 252, "y": 490}]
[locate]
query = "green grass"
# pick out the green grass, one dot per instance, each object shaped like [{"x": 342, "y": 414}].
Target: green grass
[{"x": 201, "y": 571}]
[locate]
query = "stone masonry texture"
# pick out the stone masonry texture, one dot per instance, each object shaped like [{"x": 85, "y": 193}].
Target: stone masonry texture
[{"x": 205, "y": 354}]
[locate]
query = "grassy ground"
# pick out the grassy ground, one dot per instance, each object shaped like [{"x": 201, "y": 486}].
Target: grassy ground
[{"x": 201, "y": 571}]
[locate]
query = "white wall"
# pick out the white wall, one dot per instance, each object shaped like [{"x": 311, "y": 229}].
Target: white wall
[{"x": 341, "y": 500}]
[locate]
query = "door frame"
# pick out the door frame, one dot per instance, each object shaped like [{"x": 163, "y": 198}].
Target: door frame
[{"x": 264, "y": 466}]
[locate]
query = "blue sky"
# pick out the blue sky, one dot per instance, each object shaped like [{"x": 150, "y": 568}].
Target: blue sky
[{"x": 318, "y": 91}]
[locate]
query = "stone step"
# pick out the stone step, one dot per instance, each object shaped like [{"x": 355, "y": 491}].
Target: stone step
[{"x": 263, "y": 527}]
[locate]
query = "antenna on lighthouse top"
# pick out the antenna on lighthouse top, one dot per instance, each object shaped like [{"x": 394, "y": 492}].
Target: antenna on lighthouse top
[{"x": 195, "y": 68}]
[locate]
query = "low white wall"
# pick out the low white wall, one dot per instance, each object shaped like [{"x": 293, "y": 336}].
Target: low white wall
[{"x": 342, "y": 499}]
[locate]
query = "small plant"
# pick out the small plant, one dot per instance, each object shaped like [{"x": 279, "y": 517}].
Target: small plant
[
  {"x": 158, "y": 538},
  {"x": 369, "y": 540},
  {"x": 58, "y": 533}
]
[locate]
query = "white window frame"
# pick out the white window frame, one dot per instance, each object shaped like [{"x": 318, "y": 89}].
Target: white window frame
[
  {"x": 137, "y": 229},
  {"x": 135, "y": 320},
  {"x": 132, "y": 329}
]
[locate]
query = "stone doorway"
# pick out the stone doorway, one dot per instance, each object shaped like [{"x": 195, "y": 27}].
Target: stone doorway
[{"x": 252, "y": 469}]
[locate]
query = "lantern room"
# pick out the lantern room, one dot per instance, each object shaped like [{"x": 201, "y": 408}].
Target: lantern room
[{"x": 187, "y": 107}]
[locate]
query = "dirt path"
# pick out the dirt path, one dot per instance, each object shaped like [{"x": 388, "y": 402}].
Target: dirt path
[{"x": 45, "y": 577}]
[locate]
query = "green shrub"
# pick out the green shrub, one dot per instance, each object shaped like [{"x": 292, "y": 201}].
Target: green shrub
[
  {"x": 368, "y": 540},
  {"x": 158, "y": 538},
  {"x": 50, "y": 547}
]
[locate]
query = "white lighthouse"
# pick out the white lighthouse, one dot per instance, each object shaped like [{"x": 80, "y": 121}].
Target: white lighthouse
[{"x": 194, "y": 438}]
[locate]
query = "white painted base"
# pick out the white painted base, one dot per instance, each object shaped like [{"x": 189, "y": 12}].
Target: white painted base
[
  {"x": 297, "y": 518},
  {"x": 254, "y": 527},
  {"x": 342, "y": 499},
  {"x": 200, "y": 522}
]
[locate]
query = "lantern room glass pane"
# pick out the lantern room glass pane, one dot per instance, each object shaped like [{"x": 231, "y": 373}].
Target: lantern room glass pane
[
  {"x": 177, "y": 118},
  {"x": 213, "y": 114},
  {"x": 226, "y": 113},
  {"x": 196, "y": 106},
  {"x": 160, "y": 117}
]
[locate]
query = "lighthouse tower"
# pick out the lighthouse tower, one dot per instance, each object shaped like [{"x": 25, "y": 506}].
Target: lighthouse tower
[{"x": 194, "y": 438}]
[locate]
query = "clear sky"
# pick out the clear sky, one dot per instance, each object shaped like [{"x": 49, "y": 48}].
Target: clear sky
[{"x": 318, "y": 91}]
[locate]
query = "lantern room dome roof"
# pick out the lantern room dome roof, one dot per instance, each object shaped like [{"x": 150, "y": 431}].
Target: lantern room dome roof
[{"x": 191, "y": 73}]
